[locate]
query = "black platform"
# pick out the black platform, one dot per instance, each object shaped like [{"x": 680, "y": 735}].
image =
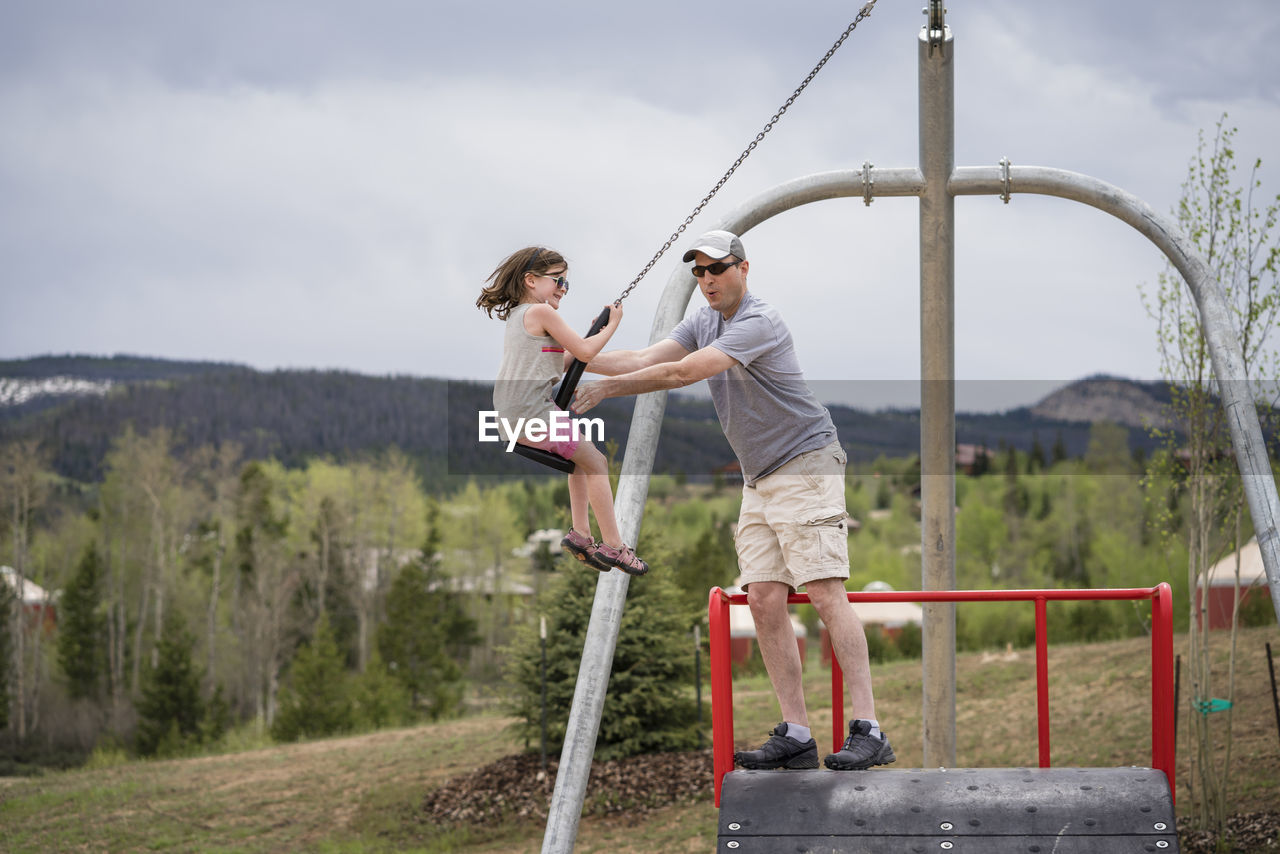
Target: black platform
[{"x": 993, "y": 810}]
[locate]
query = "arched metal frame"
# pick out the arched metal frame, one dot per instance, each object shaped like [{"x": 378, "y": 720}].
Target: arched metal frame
[{"x": 936, "y": 184}]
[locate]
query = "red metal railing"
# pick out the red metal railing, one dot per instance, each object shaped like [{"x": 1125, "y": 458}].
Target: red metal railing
[{"x": 1162, "y": 734}]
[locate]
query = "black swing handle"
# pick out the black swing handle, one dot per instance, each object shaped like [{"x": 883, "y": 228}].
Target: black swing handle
[{"x": 570, "y": 382}]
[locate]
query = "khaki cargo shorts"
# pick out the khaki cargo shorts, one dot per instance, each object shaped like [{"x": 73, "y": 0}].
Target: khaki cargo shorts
[{"x": 792, "y": 524}]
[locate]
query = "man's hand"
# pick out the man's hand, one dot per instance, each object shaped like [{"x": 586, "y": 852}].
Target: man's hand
[{"x": 586, "y": 396}]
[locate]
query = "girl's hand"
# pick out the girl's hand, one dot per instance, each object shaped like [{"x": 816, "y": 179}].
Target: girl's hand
[{"x": 615, "y": 313}]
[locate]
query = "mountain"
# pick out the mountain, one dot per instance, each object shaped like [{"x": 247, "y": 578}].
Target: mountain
[
  {"x": 1104, "y": 398},
  {"x": 75, "y": 406}
]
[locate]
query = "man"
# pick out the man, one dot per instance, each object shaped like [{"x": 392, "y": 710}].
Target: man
[{"x": 791, "y": 530}]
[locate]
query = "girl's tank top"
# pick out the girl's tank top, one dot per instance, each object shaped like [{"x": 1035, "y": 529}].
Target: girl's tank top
[{"x": 531, "y": 366}]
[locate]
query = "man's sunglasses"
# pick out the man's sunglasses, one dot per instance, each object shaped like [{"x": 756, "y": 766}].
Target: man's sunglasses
[
  {"x": 561, "y": 281},
  {"x": 714, "y": 269}
]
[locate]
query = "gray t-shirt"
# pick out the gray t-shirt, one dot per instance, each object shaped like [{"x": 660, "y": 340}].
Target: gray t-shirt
[{"x": 766, "y": 409}]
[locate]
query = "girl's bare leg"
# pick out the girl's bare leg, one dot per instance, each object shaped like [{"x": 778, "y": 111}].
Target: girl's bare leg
[
  {"x": 578, "y": 500},
  {"x": 593, "y": 469}
]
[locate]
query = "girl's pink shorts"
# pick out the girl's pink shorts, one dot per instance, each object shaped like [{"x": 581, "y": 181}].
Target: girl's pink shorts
[{"x": 565, "y": 449}]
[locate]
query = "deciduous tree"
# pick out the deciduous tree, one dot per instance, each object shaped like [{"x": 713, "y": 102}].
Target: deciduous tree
[{"x": 1232, "y": 234}]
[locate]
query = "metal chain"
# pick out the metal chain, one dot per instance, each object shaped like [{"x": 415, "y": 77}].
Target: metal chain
[{"x": 862, "y": 13}]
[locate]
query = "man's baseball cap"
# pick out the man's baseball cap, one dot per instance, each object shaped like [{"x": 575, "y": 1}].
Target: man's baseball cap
[{"x": 717, "y": 244}]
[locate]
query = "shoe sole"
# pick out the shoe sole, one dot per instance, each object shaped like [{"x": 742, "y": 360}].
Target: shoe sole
[
  {"x": 591, "y": 563},
  {"x": 795, "y": 763},
  {"x": 879, "y": 759},
  {"x": 583, "y": 558},
  {"x": 628, "y": 570}
]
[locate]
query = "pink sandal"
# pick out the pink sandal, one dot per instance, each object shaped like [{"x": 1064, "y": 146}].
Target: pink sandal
[{"x": 623, "y": 558}]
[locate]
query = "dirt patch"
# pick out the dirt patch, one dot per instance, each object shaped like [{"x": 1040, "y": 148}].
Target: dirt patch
[
  {"x": 1249, "y": 833},
  {"x": 514, "y": 787}
]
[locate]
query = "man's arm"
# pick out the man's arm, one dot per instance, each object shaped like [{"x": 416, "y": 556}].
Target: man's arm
[
  {"x": 696, "y": 366},
  {"x": 617, "y": 362}
]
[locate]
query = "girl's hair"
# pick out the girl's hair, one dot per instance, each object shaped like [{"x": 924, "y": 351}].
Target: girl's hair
[{"x": 506, "y": 288}]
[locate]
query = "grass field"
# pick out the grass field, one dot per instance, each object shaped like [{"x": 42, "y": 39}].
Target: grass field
[{"x": 363, "y": 793}]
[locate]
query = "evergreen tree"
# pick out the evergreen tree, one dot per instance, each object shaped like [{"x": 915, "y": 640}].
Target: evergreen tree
[
  {"x": 426, "y": 633},
  {"x": 381, "y": 700},
  {"x": 711, "y": 562},
  {"x": 81, "y": 627},
  {"x": 1035, "y": 459},
  {"x": 981, "y": 459},
  {"x": 1108, "y": 451},
  {"x": 170, "y": 712},
  {"x": 1017, "y": 500},
  {"x": 1059, "y": 452},
  {"x": 647, "y": 705},
  {"x": 317, "y": 701},
  {"x": 884, "y": 493}
]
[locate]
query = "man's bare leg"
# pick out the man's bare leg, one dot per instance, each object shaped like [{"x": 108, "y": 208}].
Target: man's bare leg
[
  {"x": 787, "y": 747},
  {"x": 849, "y": 640},
  {"x": 866, "y": 745},
  {"x": 777, "y": 641}
]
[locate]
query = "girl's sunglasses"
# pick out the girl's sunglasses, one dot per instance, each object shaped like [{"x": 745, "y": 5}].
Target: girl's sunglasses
[
  {"x": 561, "y": 281},
  {"x": 714, "y": 269}
]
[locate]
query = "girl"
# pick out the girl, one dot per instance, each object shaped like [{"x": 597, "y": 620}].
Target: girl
[{"x": 526, "y": 290}]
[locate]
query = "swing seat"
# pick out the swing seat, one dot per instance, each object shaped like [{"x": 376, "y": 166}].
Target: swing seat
[{"x": 547, "y": 458}]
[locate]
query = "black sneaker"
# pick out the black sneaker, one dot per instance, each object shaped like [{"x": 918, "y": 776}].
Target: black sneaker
[
  {"x": 861, "y": 750},
  {"x": 780, "y": 751}
]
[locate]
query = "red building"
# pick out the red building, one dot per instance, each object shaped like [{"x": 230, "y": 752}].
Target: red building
[
  {"x": 1222, "y": 584},
  {"x": 38, "y": 604}
]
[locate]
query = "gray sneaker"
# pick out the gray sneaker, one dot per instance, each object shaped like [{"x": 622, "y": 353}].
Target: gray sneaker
[
  {"x": 780, "y": 751},
  {"x": 861, "y": 750}
]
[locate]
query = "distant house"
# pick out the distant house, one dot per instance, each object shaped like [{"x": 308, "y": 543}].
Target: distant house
[
  {"x": 731, "y": 472},
  {"x": 492, "y": 582},
  {"x": 1222, "y": 580},
  {"x": 971, "y": 458},
  {"x": 39, "y": 605},
  {"x": 507, "y": 582},
  {"x": 550, "y": 536}
]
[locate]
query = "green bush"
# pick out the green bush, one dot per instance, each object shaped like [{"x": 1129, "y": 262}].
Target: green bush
[
  {"x": 381, "y": 700},
  {"x": 170, "y": 713},
  {"x": 426, "y": 633},
  {"x": 317, "y": 701},
  {"x": 909, "y": 641},
  {"x": 648, "y": 706},
  {"x": 880, "y": 647},
  {"x": 1256, "y": 609}
]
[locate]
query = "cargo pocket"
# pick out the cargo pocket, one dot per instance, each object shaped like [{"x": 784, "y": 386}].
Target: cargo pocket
[{"x": 824, "y": 539}]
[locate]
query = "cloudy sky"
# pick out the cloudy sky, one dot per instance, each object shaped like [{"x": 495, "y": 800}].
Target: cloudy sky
[{"x": 326, "y": 184}]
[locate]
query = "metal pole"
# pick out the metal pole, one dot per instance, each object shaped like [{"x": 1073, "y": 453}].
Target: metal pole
[
  {"x": 697, "y": 675},
  {"x": 542, "y": 637},
  {"x": 1275, "y": 698},
  {"x": 937, "y": 386}
]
